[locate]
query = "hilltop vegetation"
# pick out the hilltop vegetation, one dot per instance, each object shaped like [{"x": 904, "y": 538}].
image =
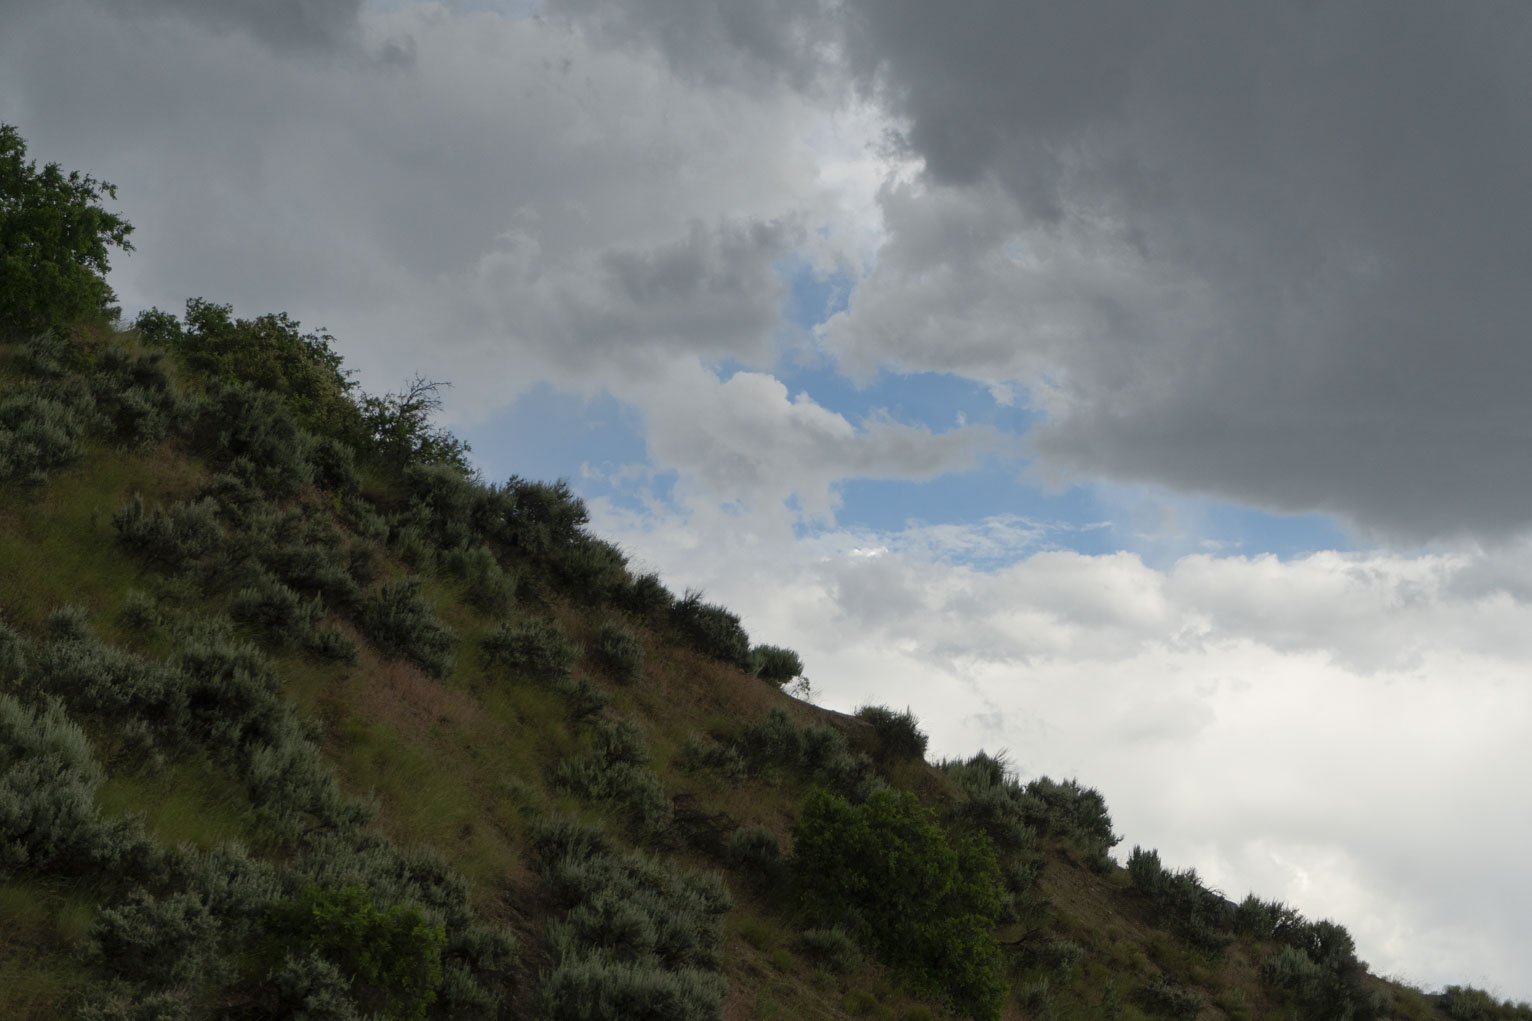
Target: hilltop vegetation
[{"x": 301, "y": 718}]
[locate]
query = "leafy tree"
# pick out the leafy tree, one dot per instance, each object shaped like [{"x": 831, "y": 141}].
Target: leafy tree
[
  {"x": 398, "y": 427},
  {"x": 886, "y": 870},
  {"x": 53, "y": 240}
]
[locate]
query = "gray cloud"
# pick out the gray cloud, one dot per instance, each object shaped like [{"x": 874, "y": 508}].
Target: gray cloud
[
  {"x": 1274, "y": 253},
  {"x": 282, "y": 24}
]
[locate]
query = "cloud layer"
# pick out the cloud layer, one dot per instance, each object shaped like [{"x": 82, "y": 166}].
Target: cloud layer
[
  {"x": 1333, "y": 730},
  {"x": 1276, "y": 255}
]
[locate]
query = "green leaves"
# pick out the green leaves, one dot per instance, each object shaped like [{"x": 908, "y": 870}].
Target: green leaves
[
  {"x": 886, "y": 870},
  {"x": 392, "y": 957},
  {"x": 53, "y": 240}
]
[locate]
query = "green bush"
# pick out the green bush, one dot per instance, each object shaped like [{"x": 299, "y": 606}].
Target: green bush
[
  {"x": 535, "y": 647},
  {"x": 169, "y": 940},
  {"x": 54, "y": 237},
  {"x": 775, "y": 665},
  {"x": 173, "y": 538},
  {"x": 391, "y": 957},
  {"x": 585, "y": 701},
  {"x": 1160, "y": 997},
  {"x": 616, "y": 769},
  {"x": 398, "y": 620},
  {"x": 992, "y": 801},
  {"x": 36, "y": 435},
  {"x": 620, "y": 653},
  {"x": 646, "y": 597},
  {"x": 134, "y": 396},
  {"x": 538, "y": 519},
  {"x": 887, "y": 871},
  {"x": 897, "y": 736},
  {"x": 1146, "y": 874},
  {"x": 831, "y": 948},
  {"x": 595, "y": 989},
  {"x": 756, "y": 852},
  {"x": 282, "y": 616},
  {"x": 711, "y": 630},
  {"x": 48, "y": 780},
  {"x": 268, "y": 353},
  {"x": 252, "y": 434},
  {"x": 818, "y": 753},
  {"x": 1267, "y": 920},
  {"x": 639, "y": 938},
  {"x": 489, "y": 587},
  {"x": 1073, "y": 812},
  {"x": 397, "y": 429},
  {"x": 699, "y": 753}
]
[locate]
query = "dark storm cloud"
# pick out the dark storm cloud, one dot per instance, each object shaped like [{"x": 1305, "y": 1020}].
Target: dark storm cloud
[{"x": 1276, "y": 252}]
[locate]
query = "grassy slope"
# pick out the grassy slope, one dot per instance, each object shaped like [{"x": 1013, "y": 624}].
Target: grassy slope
[{"x": 456, "y": 763}]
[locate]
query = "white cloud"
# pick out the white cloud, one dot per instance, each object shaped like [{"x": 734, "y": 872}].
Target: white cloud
[{"x": 1339, "y": 731}]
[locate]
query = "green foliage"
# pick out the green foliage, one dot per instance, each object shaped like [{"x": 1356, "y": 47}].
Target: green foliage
[
  {"x": 48, "y": 780},
  {"x": 13, "y": 655},
  {"x": 617, "y": 769},
  {"x": 1145, "y": 873},
  {"x": 37, "y": 434},
  {"x": 645, "y": 596},
  {"x": 897, "y": 736},
  {"x": 1266, "y": 920},
  {"x": 252, "y": 434},
  {"x": 539, "y": 519},
  {"x": 172, "y": 538},
  {"x": 831, "y": 948},
  {"x": 596, "y": 989},
  {"x": 992, "y": 801},
  {"x": 489, "y": 587},
  {"x": 397, "y": 427},
  {"x": 1198, "y": 915},
  {"x": 699, "y": 752},
  {"x": 620, "y": 653},
  {"x": 639, "y": 937},
  {"x": 1465, "y": 1003},
  {"x": 1160, "y": 997},
  {"x": 267, "y": 353},
  {"x": 282, "y": 616},
  {"x": 535, "y": 647},
  {"x": 887, "y": 871},
  {"x": 391, "y": 957},
  {"x": 398, "y": 620},
  {"x": 775, "y": 665},
  {"x": 712, "y": 630},
  {"x": 54, "y": 237},
  {"x": 169, "y": 940},
  {"x": 755, "y": 852},
  {"x": 1072, "y": 812},
  {"x": 818, "y": 753},
  {"x": 134, "y": 397}
]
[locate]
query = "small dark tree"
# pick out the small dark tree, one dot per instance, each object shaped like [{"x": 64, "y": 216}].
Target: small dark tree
[{"x": 53, "y": 240}]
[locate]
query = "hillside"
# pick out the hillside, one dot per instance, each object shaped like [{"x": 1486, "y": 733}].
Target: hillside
[{"x": 300, "y": 718}]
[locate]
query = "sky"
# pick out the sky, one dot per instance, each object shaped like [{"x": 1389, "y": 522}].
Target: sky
[{"x": 1140, "y": 389}]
